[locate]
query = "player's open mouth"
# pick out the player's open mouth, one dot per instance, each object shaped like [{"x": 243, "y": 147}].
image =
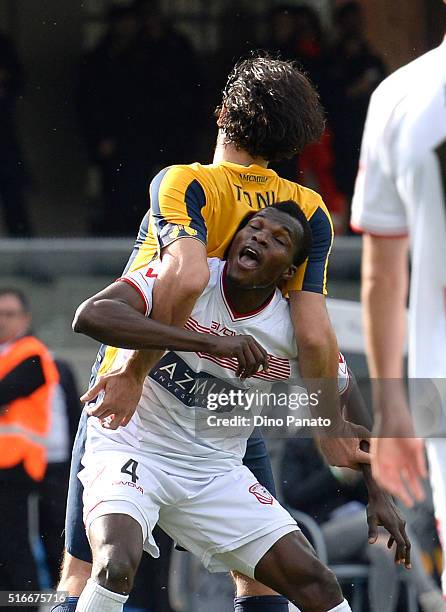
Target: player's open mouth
[{"x": 249, "y": 257}]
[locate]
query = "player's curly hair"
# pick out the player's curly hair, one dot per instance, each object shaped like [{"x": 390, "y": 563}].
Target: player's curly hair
[{"x": 269, "y": 108}]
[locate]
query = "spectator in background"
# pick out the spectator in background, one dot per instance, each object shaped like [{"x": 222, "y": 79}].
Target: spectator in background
[
  {"x": 13, "y": 176},
  {"x": 106, "y": 96},
  {"x": 64, "y": 416},
  {"x": 355, "y": 71},
  {"x": 139, "y": 100},
  {"x": 171, "y": 91},
  {"x": 297, "y": 34},
  {"x": 28, "y": 376},
  {"x": 336, "y": 498}
]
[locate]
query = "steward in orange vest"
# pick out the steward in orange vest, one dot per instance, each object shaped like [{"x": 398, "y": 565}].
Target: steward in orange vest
[{"x": 27, "y": 377}]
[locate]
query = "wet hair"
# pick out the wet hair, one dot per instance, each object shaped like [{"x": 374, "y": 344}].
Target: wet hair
[
  {"x": 291, "y": 208},
  {"x": 269, "y": 108},
  {"x": 18, "y": 294}
]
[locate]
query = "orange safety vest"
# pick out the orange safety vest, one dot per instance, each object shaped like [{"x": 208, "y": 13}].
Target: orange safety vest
[{"x": 25, "y": 422}]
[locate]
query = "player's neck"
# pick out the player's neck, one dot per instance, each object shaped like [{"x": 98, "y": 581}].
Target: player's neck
[
  {"x": 228, "y": 152},
  {"x": 244, "y": 300}
]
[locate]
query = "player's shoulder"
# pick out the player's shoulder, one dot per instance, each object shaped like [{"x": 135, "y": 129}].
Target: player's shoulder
[
  {"x": 182, "y": 176},
  {"x": 404, "y": 81},
  {"x": 309, "y": 200},
  {"x": 195, "y": 170}
]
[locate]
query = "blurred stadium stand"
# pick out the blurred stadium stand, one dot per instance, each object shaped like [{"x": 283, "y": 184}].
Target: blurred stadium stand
[{"x": 58, "y": 274}]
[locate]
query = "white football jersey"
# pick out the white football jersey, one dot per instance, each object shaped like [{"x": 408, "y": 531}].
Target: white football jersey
[
  {"x": 172, "y": 417},
  {"x": 400, "y": 190}
]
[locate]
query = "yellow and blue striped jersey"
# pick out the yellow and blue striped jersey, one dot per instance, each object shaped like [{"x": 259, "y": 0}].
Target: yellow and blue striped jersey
[{"x": 208, "y": 202}]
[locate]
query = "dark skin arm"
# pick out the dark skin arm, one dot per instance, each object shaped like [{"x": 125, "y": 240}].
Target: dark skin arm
[
  {"x": 381, "y": 510},
  {"x": 115, "y": 316}
]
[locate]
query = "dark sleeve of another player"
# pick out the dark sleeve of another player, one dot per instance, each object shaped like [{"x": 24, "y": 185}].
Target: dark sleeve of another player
[
  {"x": 315, "y": 274},
  {"x": 70, "y": 388},
  {"x": 21, "y": 381},
  {"x": 306, "y": 479}
]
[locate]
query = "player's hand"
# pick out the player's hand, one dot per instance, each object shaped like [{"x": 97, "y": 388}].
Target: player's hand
[
  {"x": 398, "y": 460},
  {"x": 119, "y": 393},
  {"x": 399, "y": 466},
  {"x": 382, "y": 512},
  {"x": 341, "y": 445},
  {"x": 250, "y": 355}
]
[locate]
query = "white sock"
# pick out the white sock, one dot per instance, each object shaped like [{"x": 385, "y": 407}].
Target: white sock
[
  {"x": 343, "y": 607},
  {"x": 95, "y": 598}
]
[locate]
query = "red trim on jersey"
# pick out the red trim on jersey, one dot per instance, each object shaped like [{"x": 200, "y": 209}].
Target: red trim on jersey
[
  {"x": 277, "y": 364},
  {"x": 220, "y": 362},
  {"x": 231, "y": 309},
  {"x": 278, "y": 368},
  {"x": 361, "y": 230},
  {"x": 135, "y": 285}
]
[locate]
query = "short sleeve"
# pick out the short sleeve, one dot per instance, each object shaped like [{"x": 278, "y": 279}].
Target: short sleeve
[
  {"x": 312, "y": 274},
  {"x": 177, "y": 199},
  {"x": 377, "y": 208},
  {"x": 143, "y": 281}
]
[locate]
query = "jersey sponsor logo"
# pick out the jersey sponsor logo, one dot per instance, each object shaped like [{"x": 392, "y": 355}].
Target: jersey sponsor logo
[
  {"x": 253, "y": 178},
  {"x": 129, "y": 483},
  {"x": 262, "y": 494},
  {"x": 189, "y": 387},
  {"x": 278, "y": 369},
  {"x": 222, "y": 330}
]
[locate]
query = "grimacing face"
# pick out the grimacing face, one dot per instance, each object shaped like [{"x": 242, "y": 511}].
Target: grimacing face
[
  {"x": 262, "y": 252},
  {"x": 14, "y": 320}
]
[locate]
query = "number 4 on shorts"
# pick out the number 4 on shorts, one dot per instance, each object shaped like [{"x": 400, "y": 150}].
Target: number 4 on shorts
[{"x": 130, "y": 468}]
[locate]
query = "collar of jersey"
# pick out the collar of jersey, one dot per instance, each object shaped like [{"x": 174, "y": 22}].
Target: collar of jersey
[
  {"x": 237, "y": 316},
  {"x": 254, "y": 168}
]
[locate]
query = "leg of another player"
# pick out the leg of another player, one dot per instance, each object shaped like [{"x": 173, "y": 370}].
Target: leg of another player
[
  {"x": 252, "y": 596},
  {"x": 73, "y": 578},
  {"x": 292, "y": 568},
  {"x": 117, "y": 544}
]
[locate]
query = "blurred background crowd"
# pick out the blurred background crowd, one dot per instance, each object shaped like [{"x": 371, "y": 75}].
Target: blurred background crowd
[{"x": 95, "y": 98}]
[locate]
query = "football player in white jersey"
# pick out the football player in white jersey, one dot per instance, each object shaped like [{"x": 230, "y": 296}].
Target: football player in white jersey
[
  {"x": 400, "y": 206},
  {"x": 162, "y": 467}
]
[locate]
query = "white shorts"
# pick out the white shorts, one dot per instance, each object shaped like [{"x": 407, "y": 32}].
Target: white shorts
[{"x": 229, "y": 521}]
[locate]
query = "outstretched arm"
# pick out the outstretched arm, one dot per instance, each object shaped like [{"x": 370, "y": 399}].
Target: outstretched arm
[
  {"x": 381, "y": 510},
  {"x": 116, "y": 316},
  {"x": 182, "y": 278}
]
